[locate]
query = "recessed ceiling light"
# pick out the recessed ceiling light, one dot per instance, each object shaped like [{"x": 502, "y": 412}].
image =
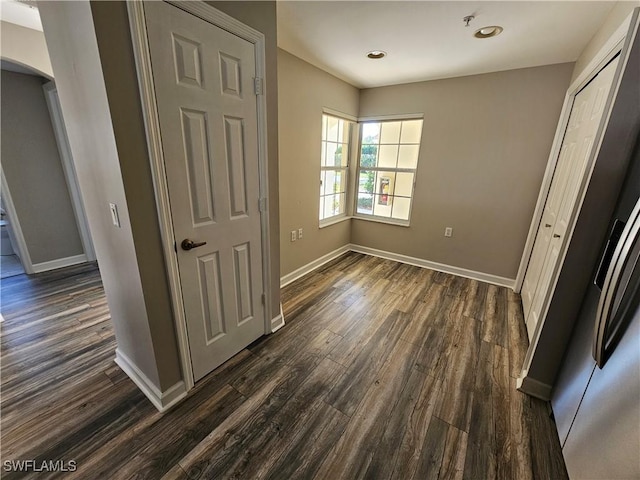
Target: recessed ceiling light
[
  {"x": 486, "y": 32},
  {"x": 375, "y": 54}
]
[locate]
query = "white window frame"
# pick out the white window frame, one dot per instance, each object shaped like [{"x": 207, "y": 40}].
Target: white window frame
[
  {"x": 377, "y": 218},
  {"x": 348, "y": 138}
]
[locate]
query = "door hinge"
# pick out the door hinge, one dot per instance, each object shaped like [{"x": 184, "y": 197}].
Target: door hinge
[
  {"x": 257, "y": 85},
  {"x": 262, "y": 204},
  {"x": 264, "y": 299}
]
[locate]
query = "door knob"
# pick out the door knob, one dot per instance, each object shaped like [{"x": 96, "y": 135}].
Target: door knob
[
  {"x": 189, "y": 244},
  {"x": 555, "y": 235}
]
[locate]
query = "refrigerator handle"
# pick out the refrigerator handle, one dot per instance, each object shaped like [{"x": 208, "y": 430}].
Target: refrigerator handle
[
  {"x": 605, "y": 261},
  {"x": 621, "y": 257}
]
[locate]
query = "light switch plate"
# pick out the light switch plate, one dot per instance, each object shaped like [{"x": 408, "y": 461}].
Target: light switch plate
[{"x": 114, "y": 214}]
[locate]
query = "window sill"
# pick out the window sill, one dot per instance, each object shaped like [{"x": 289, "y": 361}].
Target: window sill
[
  {"x": 334, "y": 220},
  {"x": 388, "y": 221}
]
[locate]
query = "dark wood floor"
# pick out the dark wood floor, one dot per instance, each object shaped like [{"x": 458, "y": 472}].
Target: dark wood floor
[{"x": 383, "y": 371}]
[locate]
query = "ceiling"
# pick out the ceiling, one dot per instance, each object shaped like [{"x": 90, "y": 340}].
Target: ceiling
[
  {"x": 427, "y": 40},
  {"x": 24, "y": 13}
]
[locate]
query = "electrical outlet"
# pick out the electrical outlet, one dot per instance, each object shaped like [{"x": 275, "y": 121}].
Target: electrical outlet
[
  {"x": 299, "y": 233},
  {"x": 448, "y": 232},
  {"x": 293, "y": 235}
]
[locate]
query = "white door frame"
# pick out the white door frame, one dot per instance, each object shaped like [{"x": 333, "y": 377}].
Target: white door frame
[
  {"x": 609, "y": 50},
  {"x": 60, "y": 133},
  {"x": 619, "y": 42},
  {"x": 152, "y": 128},
  {"x": 20, "y": 243}
]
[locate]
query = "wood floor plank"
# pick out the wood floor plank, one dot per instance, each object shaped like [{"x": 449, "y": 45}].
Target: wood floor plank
[
  {"x": 480, "y": 459},
  {"x": 410, "y": 448},
  {"x": 454, "y": 455},
  {"x": 519, "y": 425},
  {"x": 432, "y": 450},
  {"x": 463, "y": 358},
  {"x": 500, "y": 393},
  {"x": 495, "y": 325}
]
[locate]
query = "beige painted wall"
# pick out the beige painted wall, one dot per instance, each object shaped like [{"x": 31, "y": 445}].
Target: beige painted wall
[
  {"x": 617, "y": 15},
  {"x": 485, "y": 146},
  {"x": 74, "y": 54},
  {"x": 33, "y": 169},
  {"x": 26, "y": 47},
  {"x": 303, "y": 91}
]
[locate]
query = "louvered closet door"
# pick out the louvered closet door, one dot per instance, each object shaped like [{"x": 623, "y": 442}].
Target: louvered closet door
[{"x": 204, "y": 81}]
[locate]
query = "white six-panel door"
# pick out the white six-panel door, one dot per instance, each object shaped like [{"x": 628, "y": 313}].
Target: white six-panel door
[
  {"x": 571, "y": 169},
  {"x": 204, "y": 84}
]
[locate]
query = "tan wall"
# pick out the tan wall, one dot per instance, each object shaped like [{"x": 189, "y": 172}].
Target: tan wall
[
  {"x": 485, "y": 146},
  {"x": 617, "y": 15},
  {"x": 303, "y": 92},
  {"x": 26, "y": 47},
  {"x": 33, "y": 169},
  {"x": 75, "y": 58}
]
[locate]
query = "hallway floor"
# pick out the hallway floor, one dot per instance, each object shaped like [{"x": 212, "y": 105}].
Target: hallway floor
[
  {"x": 383, "y": 370},
  {"x": 10, "y": 266}
]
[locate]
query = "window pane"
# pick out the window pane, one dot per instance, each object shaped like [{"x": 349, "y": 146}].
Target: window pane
[
  {"x": 382, "y": 205},
  {"x": 327, "y": 183},
  {"x": 385, "y": 183},
  {"x": 390, "y": 132},
  {"x": 342, "y": 202},
  {"x": 411, "y": 131},
  {"x": 404, "y": 184},
  {"x": 401, "y": 207},
  {"x": 323, "y": 154},
  {"x": 368, "y": 155},
  {"x": 331, "y": 205},
  {"x": 331, "y": 151},
  {"x": 366, "y": 181},
  {"x": 371, "y": 133},
  {"x": 342, "y": 155},
  {"x": 332, "y": 129},
  {"x": 388, "y": 156},
  {"x": 341, "y": 132},
  {"x": 408, "y": 157},
  {"x": 365, "y": 203}
]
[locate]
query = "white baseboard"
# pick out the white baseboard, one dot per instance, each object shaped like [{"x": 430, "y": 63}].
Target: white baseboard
[
  {"x": 278, "y": 321},
  {"x": 309, "y": 267},
  {"x": 398, "y": 257},
  {"x": 59, "y": 263},
  {"x": 163, "y": 401},
  {"x": 440, "y": 267},
  {"x": 533, "y": 387}
]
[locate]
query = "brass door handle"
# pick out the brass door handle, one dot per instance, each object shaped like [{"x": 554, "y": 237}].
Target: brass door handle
[{"x": 189, "y": 244}]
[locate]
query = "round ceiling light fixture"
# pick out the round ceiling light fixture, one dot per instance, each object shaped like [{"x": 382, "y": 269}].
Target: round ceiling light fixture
[
  {"x": 488, "y": 32},
  {"x": 376, "y": 54}
]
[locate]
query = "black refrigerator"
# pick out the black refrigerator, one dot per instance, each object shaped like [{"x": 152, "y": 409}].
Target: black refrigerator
[{"x": 596, "y": 398}]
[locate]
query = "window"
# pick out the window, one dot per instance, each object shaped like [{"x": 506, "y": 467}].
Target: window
[
  {"x": 387, "y": 168},
  {"x": 334, "y": 166}
]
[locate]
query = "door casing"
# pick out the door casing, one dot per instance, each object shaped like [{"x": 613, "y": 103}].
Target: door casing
[{"x": 152, "y": 129}]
